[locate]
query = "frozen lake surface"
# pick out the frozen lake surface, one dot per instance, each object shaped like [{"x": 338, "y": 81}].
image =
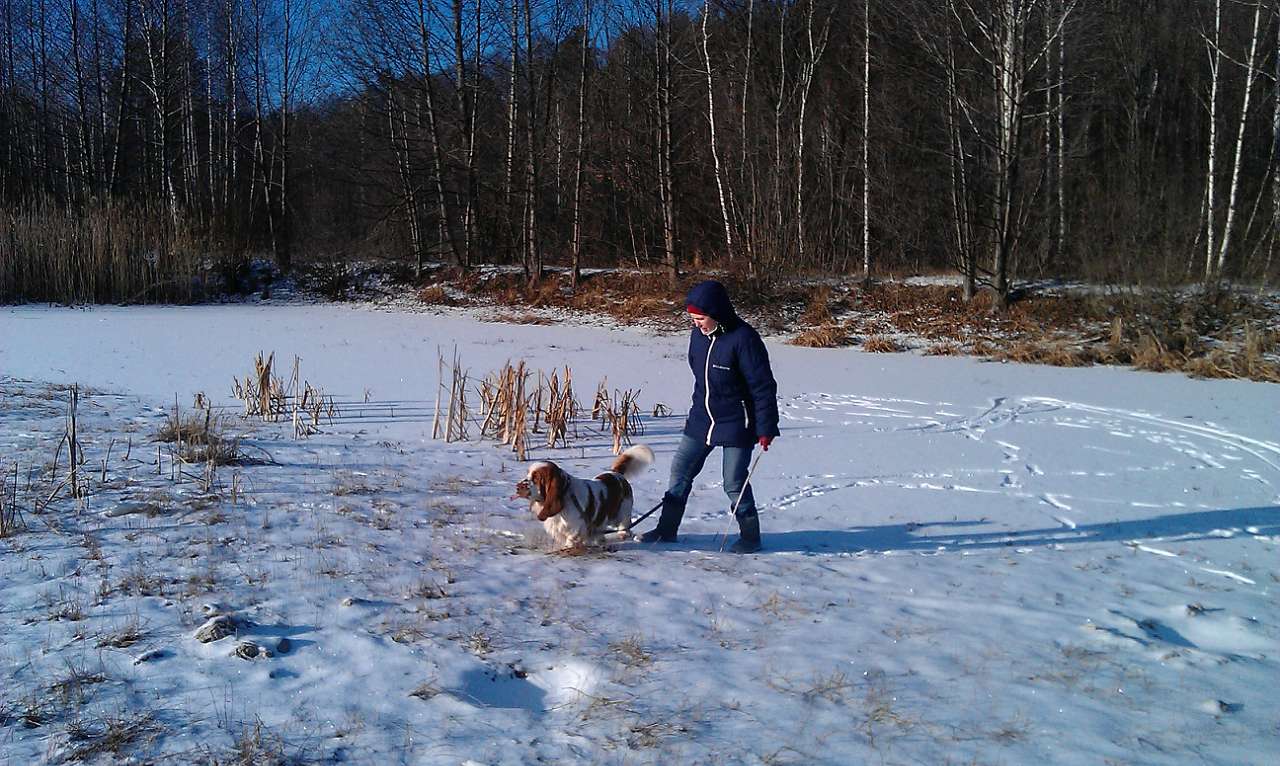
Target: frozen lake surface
[{"x": 964, "y": 561}]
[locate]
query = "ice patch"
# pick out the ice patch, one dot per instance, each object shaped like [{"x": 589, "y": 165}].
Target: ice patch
[
  {"x": 1052, "y": 499},
  {"x": 1149, "y": 549},
  {"x": 1231, "y": 575}
]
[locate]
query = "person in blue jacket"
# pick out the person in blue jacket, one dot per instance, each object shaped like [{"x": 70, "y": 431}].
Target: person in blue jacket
[{"x": 735, "y": 407}]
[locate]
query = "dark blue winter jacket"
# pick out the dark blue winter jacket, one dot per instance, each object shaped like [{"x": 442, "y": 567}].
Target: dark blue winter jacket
[{"x": 735, "y": 398}]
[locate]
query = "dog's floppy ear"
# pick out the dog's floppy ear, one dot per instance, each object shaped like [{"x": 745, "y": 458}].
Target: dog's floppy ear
[{"x": 551, "y": 485}]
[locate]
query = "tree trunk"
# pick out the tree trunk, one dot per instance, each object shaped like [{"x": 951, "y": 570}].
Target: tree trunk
[
  {"x": 126, "y": 76},
  {"x": 262, "y": 169},
  {"x": 433, "y": 134},
  {"x": 805, "y": 83},
  {"x": 779, "y": 102},
  {"x": 866, "y": 141},
  {"x": 1275, "y": 176},
  {"x": 508, "y": 186},
  {"x": 408, "y": 185},
  {"x": 1215, "y": 65},
  {"x": 532, "y": 251},
  {"x": 284, "y": 228},
  {"x": 1233, "y": 188},
  {"x": 83, "y": 123},
  {"x": 466, "y": 128},
  {"x": 576, "y": 241},
  {"x": 1060, "y": 177},
  {"x": 711, "y": 121},
  {"x": 662, "y": 99},
  {"x": 745, "y": 227},
  {"x": 158, "y": 61}
]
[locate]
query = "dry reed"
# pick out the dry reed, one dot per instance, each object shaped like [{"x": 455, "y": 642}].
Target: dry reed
[
  {"x": 826, "y": 336},
  {"x": 818, "y": 310},
  {"x": 946, "y": 348},
  {"x": 107, "y": 253},
  {"x": 1054, "y": 354},
  {"x": 11, "y": 520},
  {"x": 623, "y": 418},
  {"x": 512, "y": 411},
  {"x": 268, "y": 397},
  {"x": 881, "y": 344}
]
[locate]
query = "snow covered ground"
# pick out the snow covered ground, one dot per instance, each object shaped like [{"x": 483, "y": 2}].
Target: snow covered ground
[{"x": 965, "y": 561}]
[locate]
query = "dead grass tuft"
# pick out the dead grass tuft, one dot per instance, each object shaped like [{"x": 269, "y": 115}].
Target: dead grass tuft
[
  {"x": 982, "y": 348},
  {"x": 1219, "y": 363},
  {"x": 831, "y": 687},
  {"x": 70, "y": 690},
  {"x": 1150, "y": 354},
  {"x": 1055, "y": 354},
  {"x": 436, "y": 295},
  {"x": 256, "y": 744},
  {"x": 192, "y": 427},
  {"x": 112, "y": 734},
  {"x": 946, "y": 348},
  {"x": 818, "y": 310},
  {"x": 127, "y": 635},
  {"x": 826, "y": 336},
  {"x": 882, "y": 345},
  {"x": 630, "y": 651},
  {"x": 647, "y": 734},
  {"x": 426, "y": 589},
  {"x": 526, "y": 318},
  {"x": 200, "y": 437},
  {"x": 11, "y": 519}
]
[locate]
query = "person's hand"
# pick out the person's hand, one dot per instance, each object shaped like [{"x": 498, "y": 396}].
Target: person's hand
[{"x": 765, "y": 441}]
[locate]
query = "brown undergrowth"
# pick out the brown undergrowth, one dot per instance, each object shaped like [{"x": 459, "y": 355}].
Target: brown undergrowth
[
  {"x": 628, "y": 297},
  {"x": 1204, "y": 332}
]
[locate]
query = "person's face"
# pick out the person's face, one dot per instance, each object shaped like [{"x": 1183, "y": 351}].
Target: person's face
[{"x": 703, "y": 322}]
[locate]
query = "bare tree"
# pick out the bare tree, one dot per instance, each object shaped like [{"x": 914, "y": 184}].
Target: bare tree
[
  {"x": 465, "y": 93},
  {"x": 1214, "y": 50},
  {"x": 663, "y": 63},
  {"x": 866, "y": 140},
  {"x": 711, "y": 122},
  {"x": 1250, "y": 75},
  {"x": 576, "y": 237},
  {"x": 808, "y": 66},
  {"x": 532, "y": 251}
]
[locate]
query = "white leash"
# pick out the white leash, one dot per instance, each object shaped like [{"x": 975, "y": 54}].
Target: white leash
[{"x": 741, "y": 492}]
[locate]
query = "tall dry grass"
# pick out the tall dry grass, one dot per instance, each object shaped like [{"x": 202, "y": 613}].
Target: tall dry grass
[{"x": 108, "y": 253}]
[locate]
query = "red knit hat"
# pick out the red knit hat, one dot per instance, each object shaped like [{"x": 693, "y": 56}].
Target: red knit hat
[{"x": 692, "y": 309}]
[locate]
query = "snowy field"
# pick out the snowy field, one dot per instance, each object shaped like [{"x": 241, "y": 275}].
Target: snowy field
[{"x": 966, "y": 562}]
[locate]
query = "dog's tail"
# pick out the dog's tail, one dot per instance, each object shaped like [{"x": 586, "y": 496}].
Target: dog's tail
[{"x": 632, "y": 461}]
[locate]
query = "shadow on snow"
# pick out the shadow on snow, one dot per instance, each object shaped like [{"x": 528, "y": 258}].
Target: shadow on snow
[{"x": 971, "y": 535}]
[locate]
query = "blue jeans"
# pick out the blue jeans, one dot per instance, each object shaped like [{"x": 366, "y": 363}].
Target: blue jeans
[{"x": 690, "y": 456}]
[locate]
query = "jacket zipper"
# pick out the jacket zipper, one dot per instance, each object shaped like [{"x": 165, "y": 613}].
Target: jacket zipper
[{"x": 706, "y": 377}]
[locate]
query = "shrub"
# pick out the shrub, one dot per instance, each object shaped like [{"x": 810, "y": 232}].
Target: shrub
[
  {"x": 827, "y": 336},
  {"x": 881, "y": 344}
]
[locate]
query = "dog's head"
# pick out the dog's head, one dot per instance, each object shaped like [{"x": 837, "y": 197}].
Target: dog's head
[{"x": 544, "y": 484}]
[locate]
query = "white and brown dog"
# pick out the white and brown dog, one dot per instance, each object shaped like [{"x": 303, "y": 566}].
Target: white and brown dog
[{"x": 576, "y": 511}]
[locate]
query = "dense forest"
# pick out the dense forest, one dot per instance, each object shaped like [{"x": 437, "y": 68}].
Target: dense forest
[{"x": 150, "y": 148}]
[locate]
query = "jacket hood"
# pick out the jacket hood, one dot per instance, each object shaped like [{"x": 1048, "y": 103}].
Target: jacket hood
[{"x": 713, "y": 298}]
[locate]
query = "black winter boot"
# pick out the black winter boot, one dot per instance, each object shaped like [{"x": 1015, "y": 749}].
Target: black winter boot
[
  {"x": 749, "y": 541},
  {"x": 668, "y": 522}
]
